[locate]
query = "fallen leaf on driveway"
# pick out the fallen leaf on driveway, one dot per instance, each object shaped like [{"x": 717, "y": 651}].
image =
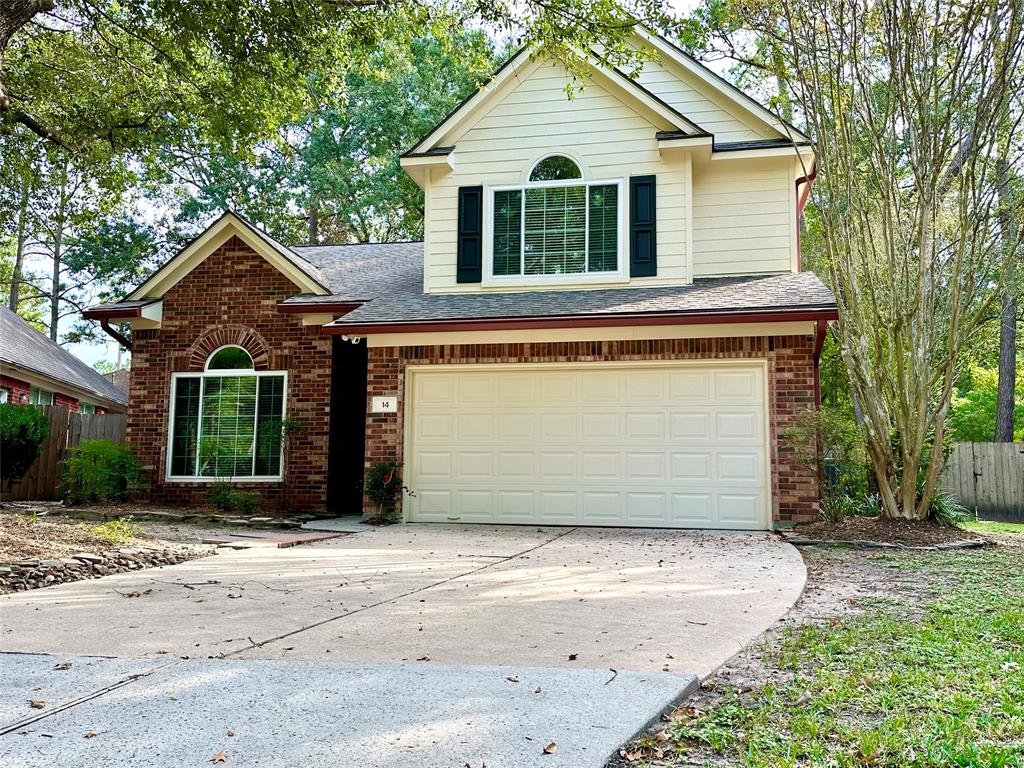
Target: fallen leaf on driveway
[
  {"x": 91, "y": 734},
  {"x": 550, "y": 748},
  {"x": 512, "y": 679},
  {"x": 36, "y": 703},
  {"x": 425, "y": 657},
  {"x": 231, "y": 733},
  {"x": 572, "y": 657},
  {"x": 537, "y": 689},
  {"x": 63, "y": 665},
  {"x": 220, "y": 757}
]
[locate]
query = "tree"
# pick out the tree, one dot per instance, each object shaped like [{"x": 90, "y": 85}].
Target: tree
[
  {"x": 906, "y": 101},
  {"x": 81, "y": 72}
]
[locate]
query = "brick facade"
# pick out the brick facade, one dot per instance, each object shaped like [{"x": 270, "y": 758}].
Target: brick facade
[
  {"x": 18, "y": 390},
  {"x": 67, "y": 401},
  {"x": 231, "y": 298},
  {"x": 791, "y": 382}
]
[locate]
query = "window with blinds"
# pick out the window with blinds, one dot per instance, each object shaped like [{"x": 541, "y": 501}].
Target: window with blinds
[
  {"x": 227, "y": 422},
  {"x": 551, "y": 229}
]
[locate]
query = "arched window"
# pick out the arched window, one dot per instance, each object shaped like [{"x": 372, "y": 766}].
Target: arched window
[
  {"x": 227, "y": 422},
  {"x": 555, "y": 224},
  {"x": 229, "y": 359},
  {"x": 555, "y": 168}
]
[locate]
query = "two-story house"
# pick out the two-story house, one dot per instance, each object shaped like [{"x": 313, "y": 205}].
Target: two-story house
[{"x": 606, "y": 322}]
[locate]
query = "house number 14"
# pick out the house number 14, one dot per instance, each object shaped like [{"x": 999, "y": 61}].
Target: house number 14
[{"x": 386, "y": 404}]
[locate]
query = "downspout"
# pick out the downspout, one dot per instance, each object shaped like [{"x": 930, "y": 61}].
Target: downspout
[
  {"x": 801, "y": 200},
  {"x": 115, "y": 334}
]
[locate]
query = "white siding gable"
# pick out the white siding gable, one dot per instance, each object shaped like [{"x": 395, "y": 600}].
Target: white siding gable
[{"x": 609, "y": 139}]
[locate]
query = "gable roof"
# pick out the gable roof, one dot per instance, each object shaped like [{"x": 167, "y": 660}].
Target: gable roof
[
  {"x": 25, "y": 347},
  {"x": 612, "y": 77},
  {"x": 427, "y": 145},
  {"x": 301, "y": 272}
]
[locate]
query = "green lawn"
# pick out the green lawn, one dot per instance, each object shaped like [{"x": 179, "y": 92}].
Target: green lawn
[
  {"x": 981, "y": 526},
  {"x": 933, "y": 676}
]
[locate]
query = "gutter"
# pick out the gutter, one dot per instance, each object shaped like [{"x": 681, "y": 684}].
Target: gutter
[
  {"x": 821, "y": 315},
  {"x": 319, "y": 308}
]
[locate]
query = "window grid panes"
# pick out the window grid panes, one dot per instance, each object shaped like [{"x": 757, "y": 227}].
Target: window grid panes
[
  {"x": 227, "y": 426},
  {"x": 555, "y": 230}
]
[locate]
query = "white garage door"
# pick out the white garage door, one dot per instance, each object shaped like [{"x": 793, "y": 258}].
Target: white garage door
[{"x": 671, "y": 445}]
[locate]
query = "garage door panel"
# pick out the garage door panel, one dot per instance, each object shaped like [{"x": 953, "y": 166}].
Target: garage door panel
[
  {"x": 693, "y": 509},
  {"x": 516, "y": 465},
  {"x": 645, "y": 426},
  {"x": 645, "y": 446}
]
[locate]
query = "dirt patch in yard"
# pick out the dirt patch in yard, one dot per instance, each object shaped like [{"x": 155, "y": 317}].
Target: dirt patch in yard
[{"x": 913, "y": 533}]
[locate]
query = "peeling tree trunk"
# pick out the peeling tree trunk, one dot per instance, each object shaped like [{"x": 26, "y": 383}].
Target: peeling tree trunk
[{"x": 1006, "y": 395}]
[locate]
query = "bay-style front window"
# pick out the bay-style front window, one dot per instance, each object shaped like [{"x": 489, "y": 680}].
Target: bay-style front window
[
  {"x": 556, "y": 224},
  {"x": 227, "y": 421}
]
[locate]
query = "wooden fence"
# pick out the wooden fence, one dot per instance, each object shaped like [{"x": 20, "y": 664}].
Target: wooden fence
[
  {"x": 988, "y": 478},
  {"x": 67, "y": 430}
]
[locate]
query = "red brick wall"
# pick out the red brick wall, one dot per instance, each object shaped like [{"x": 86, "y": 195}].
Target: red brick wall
[
  {"x": 790, "y": 385},
  {"x": 19, "y": 389},
  {"x": 231, "y": 298},
  {"x": 71, "y": 403}
]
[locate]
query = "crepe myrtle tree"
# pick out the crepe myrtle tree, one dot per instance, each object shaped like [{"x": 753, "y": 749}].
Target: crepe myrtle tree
[{"x": 915, "y": 108}]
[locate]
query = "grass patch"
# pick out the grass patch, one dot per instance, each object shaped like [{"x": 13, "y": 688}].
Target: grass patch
[
  {"x": 984, "y": 526},
  {"x": 117, "y": 531},
  {"x": 926, "y": 681}
]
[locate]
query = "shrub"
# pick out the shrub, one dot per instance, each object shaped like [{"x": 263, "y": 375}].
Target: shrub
[
  {"x": 948, "y": 510},
  {"x": 224, "y": 497},
  {"x": 382, "y": 486},
  {"x": 841, "y": 462},
  {"x": 23, "y": 430},
  {"x": 101, "y": 471},
  {"x": 116, "y": 531},
  {"x": 836, "y": 507}
]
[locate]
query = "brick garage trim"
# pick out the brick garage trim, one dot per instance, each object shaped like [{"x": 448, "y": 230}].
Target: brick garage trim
[
  {"x": 791, "y": 389},
  {"x": 232, "y": 298}
]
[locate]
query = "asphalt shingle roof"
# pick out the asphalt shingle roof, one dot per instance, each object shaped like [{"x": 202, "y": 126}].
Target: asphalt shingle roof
[
  {"x": 365, "y": 271},
  {"x": 24, "y": 346},
  {"x": 774, "y": 292}
]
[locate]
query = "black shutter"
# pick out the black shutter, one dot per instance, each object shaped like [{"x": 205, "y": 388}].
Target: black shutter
[
  {"x": 643, "y": 247},
  {"x": 470, "y": 239}
]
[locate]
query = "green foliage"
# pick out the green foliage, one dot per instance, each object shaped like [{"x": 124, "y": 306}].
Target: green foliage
[
  {"x": 948, "y": 510},
  {"x": 842, "y": 460},
  {"x": 926, "y": 680},
  {"x": 224, "y": 497},
  {"x": 972, "y": 416},
  {"x": 117, "y": 531},
  {"x": 101, "y": 471},
  {"x": 23, "y": 429},
  {"x": 382, "y": 486}
]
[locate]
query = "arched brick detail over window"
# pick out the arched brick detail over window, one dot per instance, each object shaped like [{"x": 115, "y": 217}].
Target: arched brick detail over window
[{"x": 229, "y": 335}]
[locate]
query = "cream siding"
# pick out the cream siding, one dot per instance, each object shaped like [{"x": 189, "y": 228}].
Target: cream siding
[
  {"x": 701, "y": 104},
  {"x": 535, "y": 118},
  {"x": 743, "y": 217}
]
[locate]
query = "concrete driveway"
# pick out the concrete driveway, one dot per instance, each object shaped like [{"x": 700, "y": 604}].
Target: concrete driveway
[{"x": 434, "y": 625}]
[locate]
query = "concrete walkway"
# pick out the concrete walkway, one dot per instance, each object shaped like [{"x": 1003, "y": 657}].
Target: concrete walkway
[{"x": 429, "y": 622}]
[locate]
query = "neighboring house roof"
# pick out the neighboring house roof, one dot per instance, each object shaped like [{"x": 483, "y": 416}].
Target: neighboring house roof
[
  {"x": 26, "y": 348},
  {"x": 120, "y": 378},
  {"x": 774, "y": 293}
]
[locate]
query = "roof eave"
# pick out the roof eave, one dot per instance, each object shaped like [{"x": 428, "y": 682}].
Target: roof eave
[{"x": 808, "y": 312}]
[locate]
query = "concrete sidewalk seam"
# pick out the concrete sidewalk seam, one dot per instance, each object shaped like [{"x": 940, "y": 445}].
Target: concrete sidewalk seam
[
  {"x": 25, "y": 722},
  {"x": 504, "y": 559}
]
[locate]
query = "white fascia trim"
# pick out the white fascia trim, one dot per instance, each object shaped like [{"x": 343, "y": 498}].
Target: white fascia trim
[
  {"x": 732, "y": 93},
  {"x": 806, "y": 152},
  {"x": 215, "y": 236}
]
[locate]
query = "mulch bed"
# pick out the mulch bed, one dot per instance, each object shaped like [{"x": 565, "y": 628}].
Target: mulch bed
[{"x": 912, "y": 533}]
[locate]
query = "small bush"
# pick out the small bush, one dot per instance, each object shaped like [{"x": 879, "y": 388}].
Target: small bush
[
  {"x": 101, "y": 471},
  {"x": 224, "y": 497},
  {"x": 948, "y": 510},
  {"x": 871, "y": 506},
  {"x": 382, "y": 487},
  {"x": 23, "y": 430},
  {"x": 116, "y": 531},
  {"x": 836, "y": 507}
]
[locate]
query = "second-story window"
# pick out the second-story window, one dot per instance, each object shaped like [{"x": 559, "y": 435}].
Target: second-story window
[{"x": 555, "y": 224}]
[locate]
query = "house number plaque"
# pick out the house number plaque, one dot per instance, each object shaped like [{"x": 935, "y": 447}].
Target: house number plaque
[{"x": 386, "y": 404}]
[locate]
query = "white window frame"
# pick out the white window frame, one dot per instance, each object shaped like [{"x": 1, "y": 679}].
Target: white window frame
[
  {"x": 83, "y": 406},
  {"x": 569, "y": 279},
  {"x": 214, "y": 374},
  {"x": 5, "y": 395},
  {"x": 32, "y": 392}
]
